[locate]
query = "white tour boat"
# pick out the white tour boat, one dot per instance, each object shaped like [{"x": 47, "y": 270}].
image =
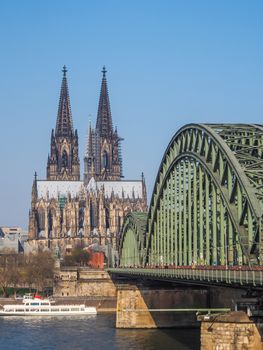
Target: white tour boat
[{"x": 36, "y": 306}]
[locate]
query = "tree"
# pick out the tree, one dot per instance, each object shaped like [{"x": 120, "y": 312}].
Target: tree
[
  {"x": 78, "y": 257},
  {"x": 4, "y": 275},
  {"x": 10, "y": 271},
  {"x": 15, "y": 271},
  {"x": 34, "y": 270},
  {"x": 39, "y": 269}
]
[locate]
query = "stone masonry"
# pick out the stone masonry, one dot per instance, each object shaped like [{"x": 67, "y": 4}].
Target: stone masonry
[
  {"x": 83, "y": 282},
  {"x": 231, "y": 331}
]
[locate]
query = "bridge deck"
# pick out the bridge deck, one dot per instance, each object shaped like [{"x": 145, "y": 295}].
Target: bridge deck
[{"x": 227, "y": 276}]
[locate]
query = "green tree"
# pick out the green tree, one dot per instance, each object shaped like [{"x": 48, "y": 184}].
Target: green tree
[{"x": 78, "y": 257}]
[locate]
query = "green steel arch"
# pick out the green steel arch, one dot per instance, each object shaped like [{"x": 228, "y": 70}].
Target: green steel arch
[
  {"x": 206, "y": 206},
  {"x": 207, "y": 202},
  {"x": 131, "y": 245}
]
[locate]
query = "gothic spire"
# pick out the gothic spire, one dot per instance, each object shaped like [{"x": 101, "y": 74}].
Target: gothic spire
[
  {"x": 63, "y": 163},
  {"x": 104, "y": 121},
  {"x": 89, "y": 151},
  {"x": 64, "y": 126},
  {"x": 34, "y": 191}
]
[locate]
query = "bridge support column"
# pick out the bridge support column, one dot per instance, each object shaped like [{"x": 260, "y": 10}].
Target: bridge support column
[
  {"x": 231, "y": 331},
  {"x": 153, "y": 307},
  {"x": 130, "y": 299}
]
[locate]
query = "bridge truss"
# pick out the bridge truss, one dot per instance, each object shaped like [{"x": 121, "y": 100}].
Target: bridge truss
[{"x": 207, "y": 203}]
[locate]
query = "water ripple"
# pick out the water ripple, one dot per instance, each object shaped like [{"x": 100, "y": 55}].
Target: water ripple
[{"x": 92, "y": 332}]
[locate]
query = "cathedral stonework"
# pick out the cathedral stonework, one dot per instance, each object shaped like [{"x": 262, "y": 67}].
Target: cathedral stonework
[
  {"x": 67, "y": 212},
  {"x": 63, "y": 161},
  {"x": 103, "y": 154}
]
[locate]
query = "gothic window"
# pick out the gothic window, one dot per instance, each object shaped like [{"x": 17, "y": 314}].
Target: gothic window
[
  {"x": 107, "y": 218},
  {"x": 81, "y": 218},
  {"x": 64, "y": 159},
  {"x": 105, "y": 160},
  {"x": 92, "y": 216},
  {"x": 50, "y": 224},
  {"x": 41, "y": 221}
]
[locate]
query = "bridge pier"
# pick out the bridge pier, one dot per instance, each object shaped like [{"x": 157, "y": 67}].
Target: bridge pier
[
  {"x": 130, "y": 299},
  {"x": 155, "y": 307},
  {"x": 230, "y": 331}
]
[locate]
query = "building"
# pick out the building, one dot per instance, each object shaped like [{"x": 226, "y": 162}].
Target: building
[
  {"x": 10, "y": 230},
  {"x": 66, "y": 211},
  {"x": 12, "y": 239}
]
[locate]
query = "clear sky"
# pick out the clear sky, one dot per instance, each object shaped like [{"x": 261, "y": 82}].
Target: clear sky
[{"x": 169, "y": 63}]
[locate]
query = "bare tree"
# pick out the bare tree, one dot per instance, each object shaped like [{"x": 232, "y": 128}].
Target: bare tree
[
  {"x": 15, "y": 270},
  {"x": 10, "y": 275},
  {"x": 4, "y": 275},
  {"x": 39, "y": 268},
  {"x": 34, "y": 270}
]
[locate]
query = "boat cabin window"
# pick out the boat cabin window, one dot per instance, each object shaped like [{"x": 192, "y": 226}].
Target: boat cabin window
[{"x": 35, "y": 304}]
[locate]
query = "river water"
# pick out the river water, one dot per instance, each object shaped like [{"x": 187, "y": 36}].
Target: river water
[{"x": 92, "y": 332}]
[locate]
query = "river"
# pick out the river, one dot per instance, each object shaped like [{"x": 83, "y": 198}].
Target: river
[{"x": 92, "y": 332}]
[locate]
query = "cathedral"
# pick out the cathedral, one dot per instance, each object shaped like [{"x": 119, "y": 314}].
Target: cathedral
[{"x": 66, "y": 211}]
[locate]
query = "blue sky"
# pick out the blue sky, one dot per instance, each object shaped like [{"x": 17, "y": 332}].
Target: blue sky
[{"x": 169, "y": 63}]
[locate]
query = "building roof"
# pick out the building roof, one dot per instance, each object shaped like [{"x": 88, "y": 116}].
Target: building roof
[
  {"x": 5, "y": 230},
  {"x": 125, "y": 188},
  {"x": 121, "y": 188},
  {"x": 54, "y": 189}
]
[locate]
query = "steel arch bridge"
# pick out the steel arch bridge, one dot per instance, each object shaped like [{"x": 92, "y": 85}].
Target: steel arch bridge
[
  {"x": 132, "y": 239},
  {"x": 207, "y": 203}
]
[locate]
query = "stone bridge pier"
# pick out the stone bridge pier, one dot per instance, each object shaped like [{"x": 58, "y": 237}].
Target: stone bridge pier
[
  {"x": 161, "y": 306},
  {"x": 155, "y": 306},
  {"x": 230, "y": 331}
]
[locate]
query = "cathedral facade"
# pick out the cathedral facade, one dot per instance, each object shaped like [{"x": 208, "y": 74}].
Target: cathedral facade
[{"x": 67, "y": 211}]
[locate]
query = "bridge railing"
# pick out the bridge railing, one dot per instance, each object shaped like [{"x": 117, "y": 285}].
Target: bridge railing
[{"x": 220, "y": 276}]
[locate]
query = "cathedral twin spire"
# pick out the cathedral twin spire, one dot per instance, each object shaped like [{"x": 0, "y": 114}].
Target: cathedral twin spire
[{"x": 102, "y": 157}]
